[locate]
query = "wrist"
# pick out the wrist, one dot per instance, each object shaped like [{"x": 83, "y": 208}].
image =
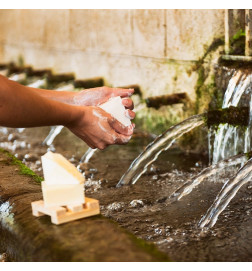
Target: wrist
[{"x": 75, "y": 114}]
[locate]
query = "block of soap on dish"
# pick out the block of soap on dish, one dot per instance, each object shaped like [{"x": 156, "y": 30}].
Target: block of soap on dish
[
  {"x": 62, "y": 195},
  {"x": 115, "y": 108},
  {"x": 63, "y": 192},
  {"x": 58, "y": 170},
  {"x": 63, "y": 184}
]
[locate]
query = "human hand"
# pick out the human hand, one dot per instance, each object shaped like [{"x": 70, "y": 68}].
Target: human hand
[
  {"x": 97, "y": 96},
  {"x": 99, "y": 129}
]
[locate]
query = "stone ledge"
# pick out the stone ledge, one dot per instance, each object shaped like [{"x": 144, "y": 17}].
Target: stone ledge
[{"x": 27, "y": 238}]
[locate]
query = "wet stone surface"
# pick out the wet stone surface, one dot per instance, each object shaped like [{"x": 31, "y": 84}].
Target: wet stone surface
[
  {"x": 145, "y": 209},
  {"x": 24, "y": 237}
]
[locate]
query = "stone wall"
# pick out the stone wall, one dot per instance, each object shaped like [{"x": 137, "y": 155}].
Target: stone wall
[{"x": 153, "y": 48}]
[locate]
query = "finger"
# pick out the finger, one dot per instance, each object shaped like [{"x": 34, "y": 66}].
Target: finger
[
  {"x": 102, "y": 146},
  {"x": 130, "y": 114},
  {"x": 116, "y": 138},
  {"x": 122, "y": 139},
  {"x": 90, "y": 144},
  {"x": 128, "y": 103},
  {"x": 119, "y": 127},
  {"x": 122, "y": 92}
]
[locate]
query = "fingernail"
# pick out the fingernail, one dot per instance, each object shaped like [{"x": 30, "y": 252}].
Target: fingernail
[
  {"x": 127, "y": 114},
  {"x": 132, "y": 91},
  {"x": 125, "y": 102}
]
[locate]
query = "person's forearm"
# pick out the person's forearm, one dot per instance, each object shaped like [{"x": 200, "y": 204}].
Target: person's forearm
[
  {"x": 87, "y": 97},
  {"x": 60, "y": 96},
  {"x": 22, "y": 107}
]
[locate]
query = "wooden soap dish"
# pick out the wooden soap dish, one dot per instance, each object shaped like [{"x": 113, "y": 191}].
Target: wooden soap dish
[{"x": 63, "y": 214}]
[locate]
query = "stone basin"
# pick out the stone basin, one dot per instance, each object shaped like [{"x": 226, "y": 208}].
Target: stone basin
[{"x": 24, "y": 237}]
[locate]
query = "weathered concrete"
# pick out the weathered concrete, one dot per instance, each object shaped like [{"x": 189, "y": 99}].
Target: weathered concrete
[
  {"x": 152, "y": 48},
  {"x": 27, "y": 238}
]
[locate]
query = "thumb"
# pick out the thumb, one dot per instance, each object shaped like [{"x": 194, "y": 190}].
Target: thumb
[{"x": 120, "y": 128}]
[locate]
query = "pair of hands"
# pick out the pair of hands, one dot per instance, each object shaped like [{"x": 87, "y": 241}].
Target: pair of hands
[{"x": 95, "y": 126}]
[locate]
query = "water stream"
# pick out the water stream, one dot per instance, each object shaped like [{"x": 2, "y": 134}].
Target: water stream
[
  {"x": 208, "y": 172},
  {"x": 88, "y": 155},
  {"x": 228, "y": 140},
  {"x": 55, "y": 130},
  {"x": 162, "y": 143},
  {"x": 226, "y": 194}
]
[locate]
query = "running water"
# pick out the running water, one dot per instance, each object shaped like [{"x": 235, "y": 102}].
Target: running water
[
  {"x": 230, "y": 140},
  {"x": 162, "y": 143},
  {"x": 208, "y": 172},
  {"x": 38, "y": 83},
  {"x": 17, "y": 77},
  {"x": 87, "y": 155},
  {"x": 55, "y": 130},
  {"x": 226, "y": 194}
]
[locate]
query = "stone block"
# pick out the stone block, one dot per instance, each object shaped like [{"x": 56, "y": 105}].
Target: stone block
[
  {"x": 149, "y": 33},
  {"x": 57, "y": 29},
  {"x": 82, "y": 31},
  {"x": 189, "y": 32},
  {"x": 31, "y": 26}
]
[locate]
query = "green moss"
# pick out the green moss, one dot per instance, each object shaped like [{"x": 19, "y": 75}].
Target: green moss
[
  {"x": 238, "y": 34},
  {"x": 236, "y": 116},
  {"x": 143, "y": 245},
  {"x": 205, "y": 90},
  {"x": 150, "y": 248},
  {"x": 217, "y": 99},
  {"x": 23, "y": 169},
  {"x": 237, "y": 43},
  {"x": 156, "y": 121},
  {"x": 20, "y": 61},
  {"x": 248, "y": 155}
]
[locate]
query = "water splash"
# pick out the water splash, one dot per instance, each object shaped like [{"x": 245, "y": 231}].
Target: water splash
[
  {"x": 20, "y": 130},
  {"x": 226, "y": 194},
  {"x": 55, "y": 130},
  {"x": 229, "y": 140},
  {"x": 65, "y": 87},
  {"x": 214, "y": 169},
  {"x": 6, "y": 215},
  {"x": 162, "y": 143},
  {"x": 17, "y": 77},
  {"x": 4, "y": 72},
  {"x": 38, "y": 83},
  {"x": 87, "y": 155}
]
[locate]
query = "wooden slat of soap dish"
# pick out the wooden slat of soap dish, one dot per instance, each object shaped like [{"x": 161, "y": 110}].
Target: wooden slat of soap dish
[{"x": 63, "y": 214}]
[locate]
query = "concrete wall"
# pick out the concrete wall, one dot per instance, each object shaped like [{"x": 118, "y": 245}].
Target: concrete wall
[{"x": 153, "y": 48}]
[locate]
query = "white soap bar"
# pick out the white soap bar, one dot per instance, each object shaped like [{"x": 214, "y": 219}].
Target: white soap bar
[
  {"x": 62, "y": 195},
  {"x": 115, "y": 108},
  {"x": 58, "y": 170}
]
